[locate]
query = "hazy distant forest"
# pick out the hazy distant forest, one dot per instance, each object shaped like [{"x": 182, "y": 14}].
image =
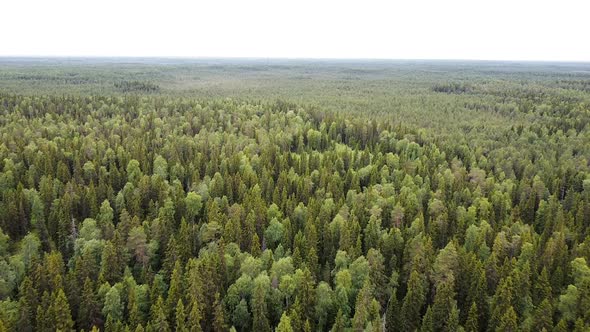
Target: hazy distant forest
[{"x": 283, "y": 195}]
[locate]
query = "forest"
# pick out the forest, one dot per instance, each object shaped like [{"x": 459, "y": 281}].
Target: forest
[{"x": 294, "y": 195}]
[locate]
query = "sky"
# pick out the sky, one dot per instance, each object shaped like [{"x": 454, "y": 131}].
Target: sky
[{"x": 556, "y": 30}]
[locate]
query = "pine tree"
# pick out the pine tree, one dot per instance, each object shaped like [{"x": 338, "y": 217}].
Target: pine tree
[
  {"x": 88, "y": 312},
  {"x": 259, "y": 310},
  {"x": 561, "y": 326},
  {"x": 392, "y": 313},
  {"x": 453, "y": 322},
  {"x": 443, "y": 304},
  {"x": 25, "y": 319},
  {"x": 501, "y": 302},
  {"x": 543, "y": 316},
  {"x": 542, "y": 289},
  {"x": 218, "y": 315},
  {"x": 110, "y": 264},
  {"x": 112, "y": 305},
  {"x": 27, "y": 304},
  {"x": 241, "y": 316},
  {"x": 284, "y": 324},
  {"x": 110, "y": 325},
  {"x": 171, "y": 256},
  {"x": 413, "y": 303},
  {"x": 185, "y": 241},
  {"x": 478, "y": 294},
  {"x": 427, "y": 321},
  {"x": 194, "y": 318},
  {"x": 60, "y": 312},
  {"x": 158, "y": 320},
  {"x": 43, "y": 315},
  {"x": 364, "y": 298},
  {"x": 180, "y": 317},
  {"x": 472, "y": 324},
  {"x": 176, "y": 289},
  {"x": 255, "y": 249},
  {"x": 135, "y": 316},
  {"x": 508, "y": 322},
  {"x": 339, "y": 323},
  {"x": 304, "y": 301}
]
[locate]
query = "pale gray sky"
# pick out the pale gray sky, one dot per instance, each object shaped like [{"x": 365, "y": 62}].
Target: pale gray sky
[{"x": 412, "y": 29}]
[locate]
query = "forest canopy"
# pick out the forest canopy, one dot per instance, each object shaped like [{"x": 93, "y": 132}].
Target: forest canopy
[{"x": 294, "y": 197}]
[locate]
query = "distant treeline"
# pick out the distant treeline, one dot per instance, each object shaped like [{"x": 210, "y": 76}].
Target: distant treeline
[
  {"x": 451, "y": 87},
  {"x": 137, "y": 86}
]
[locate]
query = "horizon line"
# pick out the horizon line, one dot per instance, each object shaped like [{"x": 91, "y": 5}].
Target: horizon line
[{"x": 268, "y": 58}]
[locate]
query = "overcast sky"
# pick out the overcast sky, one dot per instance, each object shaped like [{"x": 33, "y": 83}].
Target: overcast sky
[{"x": 410, "y": 29}]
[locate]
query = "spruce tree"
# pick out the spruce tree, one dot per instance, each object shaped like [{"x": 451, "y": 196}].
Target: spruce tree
[
  {"x": 60, "y": 315},
  {"x": 89, "y": 311},
  {"x": 158, "y": 320},
  {"x": 284, "y": 324},
  {"x": 508, "y": 322},
  {"x": 472, "y": 324},
  {"x": 259, "y": 310},
  {"x": 543, "y": 316},
  {"x": 194, "y": 318},
  {"x": 180, "y": 317},
  {"x": 339, "y": 323},
  {"x": 218, "y": 315},
  {"x": 413, "y": 303},
  {"x": 428, "y": 321},
  {"x": 392, "y": 313}
]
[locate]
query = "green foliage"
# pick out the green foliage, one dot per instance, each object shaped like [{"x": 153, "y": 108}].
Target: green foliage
[
  {"x": 136, "y": 86},
  {"x": 112, "y": 305},
  {"x": 284, "y": 324},
  {"x": 415, "y": 298},
  {"x": 360, "y": 200},
  {"x": 60, "y": 317}
]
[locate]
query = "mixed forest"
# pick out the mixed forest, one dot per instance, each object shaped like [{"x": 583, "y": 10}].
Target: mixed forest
[{"x": 248, "y": 195}]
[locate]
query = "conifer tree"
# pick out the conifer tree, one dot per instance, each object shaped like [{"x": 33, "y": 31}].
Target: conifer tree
[
  {"x": 110, "y": 264},
  {"x": 60, "y": 315},
  {"x": 339, "y": 323},
  {"x": 413, "y": 303},
  {"x": 180, "y": 317},
  {"x": 472, "y": 324},
  {"x": 158, "y": 320},
  {"x": 112, "y": 305},
  {"x": 89, "y": 310},
  {"x": 428, "y": 321},
  {"x": 508, "y": 322},
  {"x": 194, "y": 318},
  {"x": 543, "y": 316},
  {"x": 501, "y": 303},
  {"x": 218, "y": 315},
  {"x": 176, "y": 289},
  {"x": 259, "y": 310},
  {"x": 27, "y": 304},
  {"x": 392, "y": 313},
  {"x": 284, "y": 324}
]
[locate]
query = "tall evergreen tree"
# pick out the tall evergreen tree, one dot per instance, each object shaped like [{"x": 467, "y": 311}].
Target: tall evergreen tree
[
  {"x": 284, "y": 324},
  {"x": 472, "y": 324},
  {"x": 60, "y": 315},
  {"x": 158, "y": 319},
  {"x": 180, "y": 317},
  {"x": 411, "y": 310},
  {"x": 89, "y": 310},
  {"x": 259, "y": 310}
]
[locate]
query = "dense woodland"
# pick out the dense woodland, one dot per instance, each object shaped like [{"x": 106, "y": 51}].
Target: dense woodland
[{"x": 294, "y": 197}]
